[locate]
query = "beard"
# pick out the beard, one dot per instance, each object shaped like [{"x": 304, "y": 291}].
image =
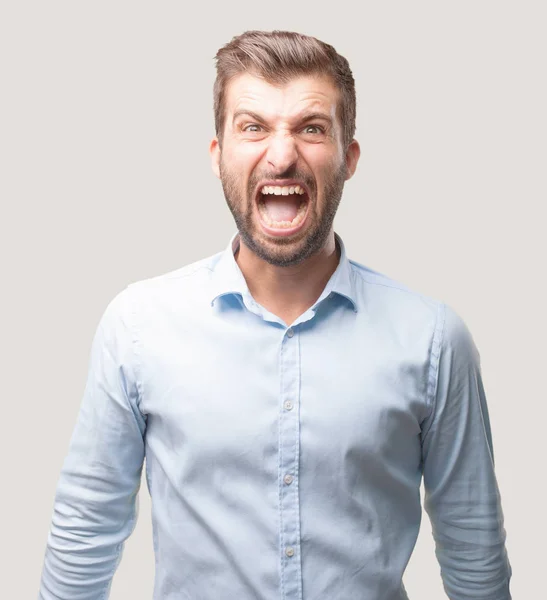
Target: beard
[{"x": 283, "y": 251}]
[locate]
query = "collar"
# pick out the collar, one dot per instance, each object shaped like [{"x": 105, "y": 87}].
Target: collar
[{"x": 227, "y": 277}]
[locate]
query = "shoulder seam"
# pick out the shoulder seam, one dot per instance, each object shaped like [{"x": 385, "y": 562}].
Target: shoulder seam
[
  {"x": 434, "y": 358},
  {"x": 392, "y": 284},
  {"x": 167, "y": 277},
  {"x": 356, "y": 270},
  {"x": 135, "y": 352}
]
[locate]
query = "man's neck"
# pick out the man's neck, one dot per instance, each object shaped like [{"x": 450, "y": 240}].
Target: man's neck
[{"x": 288, "y": 291}]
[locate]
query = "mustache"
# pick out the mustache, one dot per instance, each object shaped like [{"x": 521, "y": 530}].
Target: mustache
[{"x": 294, "y": 174}]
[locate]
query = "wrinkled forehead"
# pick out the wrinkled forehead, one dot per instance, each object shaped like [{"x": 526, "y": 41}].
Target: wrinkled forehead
[{"x": 281, "y": 100}]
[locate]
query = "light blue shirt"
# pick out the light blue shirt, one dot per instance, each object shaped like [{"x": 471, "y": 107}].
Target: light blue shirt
[{"x": 283, "y": 463}]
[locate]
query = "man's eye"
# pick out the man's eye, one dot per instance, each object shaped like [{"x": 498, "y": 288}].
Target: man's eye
[
  {"x": 253, "y": 127},
  {"x": 313, "y": 129}
]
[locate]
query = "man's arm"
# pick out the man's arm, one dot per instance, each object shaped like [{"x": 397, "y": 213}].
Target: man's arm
[
  {"x": 95, "y": 503},
  {"x": 461, "y": 492}
]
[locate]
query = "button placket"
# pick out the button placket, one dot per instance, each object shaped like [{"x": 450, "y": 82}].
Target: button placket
[{"x": 289, "y": 452}]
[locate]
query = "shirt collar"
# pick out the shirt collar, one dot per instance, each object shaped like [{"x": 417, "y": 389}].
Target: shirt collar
[{"x": 227, "y": 277}]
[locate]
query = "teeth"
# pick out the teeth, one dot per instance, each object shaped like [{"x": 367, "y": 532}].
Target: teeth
[{"x": 282, "y": 191}]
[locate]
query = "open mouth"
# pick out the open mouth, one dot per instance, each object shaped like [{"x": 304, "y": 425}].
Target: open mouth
[{"x": 282, "y": 209}]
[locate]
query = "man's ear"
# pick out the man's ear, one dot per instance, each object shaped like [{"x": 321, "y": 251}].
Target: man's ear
[
  {"x": 214, "y": 151},
  {"x": 352, "y": 158}
]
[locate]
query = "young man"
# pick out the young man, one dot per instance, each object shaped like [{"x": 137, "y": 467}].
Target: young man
[{"x": 288, "y": 400}]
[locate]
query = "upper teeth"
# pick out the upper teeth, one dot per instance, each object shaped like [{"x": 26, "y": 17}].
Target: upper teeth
[{"x": 282, "y": 191}]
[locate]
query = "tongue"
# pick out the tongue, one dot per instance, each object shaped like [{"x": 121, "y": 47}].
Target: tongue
[{"x": 282, "y": 208}]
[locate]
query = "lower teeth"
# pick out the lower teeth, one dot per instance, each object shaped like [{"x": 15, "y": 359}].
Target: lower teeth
[{"x": 282, "y": 224}]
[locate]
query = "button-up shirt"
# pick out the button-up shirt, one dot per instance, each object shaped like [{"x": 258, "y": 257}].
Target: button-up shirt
[{"x": 283, "y": 461}]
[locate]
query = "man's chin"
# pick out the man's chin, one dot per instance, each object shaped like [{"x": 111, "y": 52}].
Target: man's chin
[{"x": 279, "y": 251}]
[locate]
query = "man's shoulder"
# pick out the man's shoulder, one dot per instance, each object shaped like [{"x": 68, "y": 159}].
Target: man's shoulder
[
  {"x": 380, "y": 287},
  {"x": 396, "y": 308},
  {"x": 388, "y": 299},
  {"x": 184, "y": 275},
  {"x": 178, "y": 285}
]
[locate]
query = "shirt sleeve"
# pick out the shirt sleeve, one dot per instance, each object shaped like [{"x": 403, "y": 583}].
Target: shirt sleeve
[
  {"x": 95, "y": 506},
  {"x": 462, "y": 497}
]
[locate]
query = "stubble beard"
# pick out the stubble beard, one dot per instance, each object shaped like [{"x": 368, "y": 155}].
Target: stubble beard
[{"x": 282, "y": 251}]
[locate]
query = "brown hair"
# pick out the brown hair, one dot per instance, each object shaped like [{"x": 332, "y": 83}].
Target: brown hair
[{"x": 278, "y": 56}]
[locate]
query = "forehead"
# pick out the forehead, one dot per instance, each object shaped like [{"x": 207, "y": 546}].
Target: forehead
[{"x": 306, "y": 92}]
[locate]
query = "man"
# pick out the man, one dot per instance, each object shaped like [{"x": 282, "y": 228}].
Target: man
[{"x": 288, "y": 400}]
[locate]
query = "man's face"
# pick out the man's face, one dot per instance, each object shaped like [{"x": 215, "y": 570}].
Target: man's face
[{"x": 282, "y": 137}]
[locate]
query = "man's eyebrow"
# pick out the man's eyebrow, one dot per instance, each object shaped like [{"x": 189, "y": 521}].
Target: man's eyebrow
[
  {"x": 301, "y": 118},
  {"x": 249, "y": 113},
  {"x": 314, "y": 116}
]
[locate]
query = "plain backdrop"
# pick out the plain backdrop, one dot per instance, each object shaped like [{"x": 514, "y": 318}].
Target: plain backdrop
[{"x": 105, "y": 121}]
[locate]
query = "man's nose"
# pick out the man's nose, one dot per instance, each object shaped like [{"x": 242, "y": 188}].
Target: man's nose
[{"x": 282, "y": 152}]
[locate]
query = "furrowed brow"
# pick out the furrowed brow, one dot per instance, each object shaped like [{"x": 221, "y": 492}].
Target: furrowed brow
[
  {"x": 247, "y": 113},
  {"x": 315, "y": 116},
  {"x": 304, "y": 118}
]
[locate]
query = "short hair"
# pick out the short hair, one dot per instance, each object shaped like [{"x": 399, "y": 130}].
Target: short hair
[{"x": 279, "y": 56}]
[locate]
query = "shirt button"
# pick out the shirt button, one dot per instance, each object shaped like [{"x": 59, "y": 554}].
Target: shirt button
[
  {"x": 288, "y": 479},
  {"x": 290, "y": 332},
  {"x": 289, "y": 551},
  {"x": 287, "y": 404}
]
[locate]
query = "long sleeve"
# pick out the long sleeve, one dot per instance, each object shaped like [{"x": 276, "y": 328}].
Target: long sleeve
[
  {"x": 461, "y": 492},
  {"x": 95, "y": 506}
]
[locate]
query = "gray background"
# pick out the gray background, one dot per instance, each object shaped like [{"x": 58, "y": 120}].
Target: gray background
[{"x": 106, "y": 116}]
